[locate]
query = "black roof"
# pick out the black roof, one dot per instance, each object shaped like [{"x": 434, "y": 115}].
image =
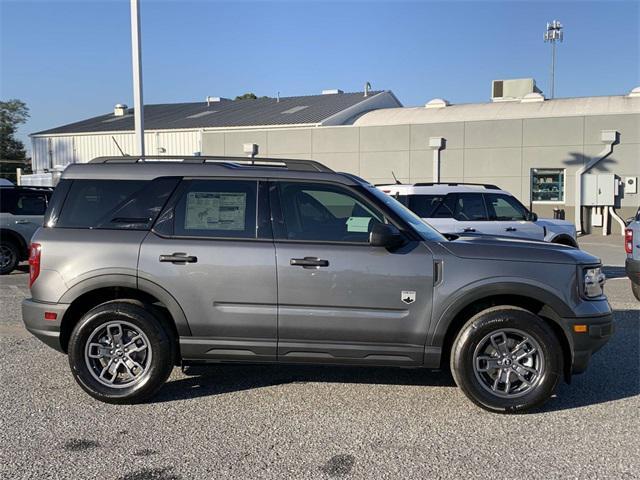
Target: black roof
[{"x": 225, "y": 113}]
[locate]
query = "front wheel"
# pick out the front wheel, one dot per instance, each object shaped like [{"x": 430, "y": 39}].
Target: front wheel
[
  {"x": 506, "y": 359},
  {"x": 635, "y": 288},
  {"x": 120, "y": 353}
]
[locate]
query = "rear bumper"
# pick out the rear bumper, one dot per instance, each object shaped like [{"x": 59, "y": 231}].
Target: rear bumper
[
  {"x": 632, "y": 267},
  {"x": 599, "y": 331},
  {"x": 47, "y": 331}
]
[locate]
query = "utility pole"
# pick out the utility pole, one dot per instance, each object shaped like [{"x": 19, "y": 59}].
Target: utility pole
[
  {"x": 553, "y": 34},
  {"x": 136, "y": 58}
]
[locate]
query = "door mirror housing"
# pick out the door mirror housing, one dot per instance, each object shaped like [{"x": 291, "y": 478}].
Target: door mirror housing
[
  {"x": 532, "y": 216},
  {"x": 385, "y": 235}
]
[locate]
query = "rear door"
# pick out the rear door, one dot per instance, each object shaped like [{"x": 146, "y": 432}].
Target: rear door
[
  {"x": 339, "y": 299},
  {"x": 25, "y": 210},
  {"x": 213, "y": 251}
]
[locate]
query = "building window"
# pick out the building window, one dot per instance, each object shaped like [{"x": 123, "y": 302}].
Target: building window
[{"x": 547, "y": 184}]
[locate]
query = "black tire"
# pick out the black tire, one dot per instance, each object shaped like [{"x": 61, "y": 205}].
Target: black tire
[
  {"x": 135, "y": 316},
  {"x": 568, "y": 241},
  {"x": 635, "y": 288},
  {"x": 513, "y": 319},
  {"x": 10, "y": 257}
]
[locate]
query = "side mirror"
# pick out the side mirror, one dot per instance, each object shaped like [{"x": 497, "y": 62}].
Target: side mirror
[
  {"x": 385, "y": 235},
  {"x": 532, "y": 216}
]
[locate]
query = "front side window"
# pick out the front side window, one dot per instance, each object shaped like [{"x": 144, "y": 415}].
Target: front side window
[
  {"x": 547, "y": 184},
  {"x": 217, "y": 208},
  {"x": 319, "y": 212},
  {"x": 504, "y": 208},
  {"x": 469, "y": 207}
]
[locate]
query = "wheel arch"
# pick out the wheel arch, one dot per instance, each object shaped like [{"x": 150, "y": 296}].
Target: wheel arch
[
  {"x": 93, "y": 292},
  {"x": 536, "y": 300},
  {"x": 15, "y": 237},
  {"x": 564, "y": 239}
]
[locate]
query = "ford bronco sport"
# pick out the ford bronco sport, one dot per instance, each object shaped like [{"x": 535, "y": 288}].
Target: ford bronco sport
[{"x": 145, "y": 264}]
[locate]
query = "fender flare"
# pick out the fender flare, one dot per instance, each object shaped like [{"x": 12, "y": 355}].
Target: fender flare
[
  {"x": 134, "y": 283},
  {"x": 555, "y": 308}
]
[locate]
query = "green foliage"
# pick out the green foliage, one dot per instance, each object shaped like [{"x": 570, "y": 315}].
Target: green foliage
[
  {"x": 247, "y": 96},
  {"x": 12, "y": 113}
]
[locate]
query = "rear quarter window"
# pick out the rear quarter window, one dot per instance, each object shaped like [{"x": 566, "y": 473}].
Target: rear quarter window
[{"x": 112, "y": 204}]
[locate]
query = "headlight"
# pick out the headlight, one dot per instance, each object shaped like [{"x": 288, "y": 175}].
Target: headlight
[{"x": 593, "y": 282}]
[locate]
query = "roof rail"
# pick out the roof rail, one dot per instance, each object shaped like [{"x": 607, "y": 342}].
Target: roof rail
[
  {"x": 488, "y": 186},
  {"x": 290, "y": 164}
]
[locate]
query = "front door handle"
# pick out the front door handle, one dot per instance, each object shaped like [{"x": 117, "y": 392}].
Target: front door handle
[
  {"x": 468, "y": 229},
  {"x": 309, "y": 262},
  {"x": 178, "y": 257},
  {"x": 511, "y": 229}
]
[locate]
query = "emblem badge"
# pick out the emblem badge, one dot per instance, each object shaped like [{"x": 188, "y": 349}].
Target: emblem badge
[{"x": 408, "y": 297}]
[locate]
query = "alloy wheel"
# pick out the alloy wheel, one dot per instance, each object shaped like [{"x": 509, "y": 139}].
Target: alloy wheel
[
  {"x": 508, "y": 363},
  {"x": 118, "y": 354}
]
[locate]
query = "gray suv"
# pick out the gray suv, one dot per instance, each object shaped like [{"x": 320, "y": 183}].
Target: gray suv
[{"x": 144, "y": 264}]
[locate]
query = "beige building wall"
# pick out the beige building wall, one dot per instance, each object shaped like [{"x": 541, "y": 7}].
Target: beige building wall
[{"x": 501, "y": 152}]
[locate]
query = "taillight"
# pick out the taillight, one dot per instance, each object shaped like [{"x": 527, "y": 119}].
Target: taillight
[
  {"x": 628, "y": 240},
  {"x": 34, "y": 262}
]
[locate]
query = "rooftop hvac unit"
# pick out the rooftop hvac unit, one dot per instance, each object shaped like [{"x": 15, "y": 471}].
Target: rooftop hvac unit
[{"x": 513, "y": 89}]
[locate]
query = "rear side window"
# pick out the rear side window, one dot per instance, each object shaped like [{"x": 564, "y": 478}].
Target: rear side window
[
  {"x": 424, "y": 205},
  {"x": 217, "y": 208},
  {"x": 114, "y": 204}
]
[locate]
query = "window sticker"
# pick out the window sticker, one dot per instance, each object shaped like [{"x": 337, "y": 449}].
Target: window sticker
[
  {"x": 215, "y": 211},
  {"x": 358, "y": 224}
]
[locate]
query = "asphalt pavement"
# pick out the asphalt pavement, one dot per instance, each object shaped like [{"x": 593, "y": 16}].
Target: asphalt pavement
[{"x": 317, "y": 422}]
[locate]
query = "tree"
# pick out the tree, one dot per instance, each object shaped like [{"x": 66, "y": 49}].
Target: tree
[
  {"x": 12, "y": 113},
  {"x": 247, "y": 96}
]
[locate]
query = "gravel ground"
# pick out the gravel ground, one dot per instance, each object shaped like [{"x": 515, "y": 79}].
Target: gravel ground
[{"x": 315, "y": 422}]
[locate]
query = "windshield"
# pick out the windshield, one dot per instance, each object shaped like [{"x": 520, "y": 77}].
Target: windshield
[{"x": 424, "y": 230}]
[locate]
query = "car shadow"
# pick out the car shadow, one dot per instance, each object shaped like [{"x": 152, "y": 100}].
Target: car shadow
[
  {"x": 614, "y": 272},
  {"x": 613, "y": 374},
  {"x": 210, "y": 380}
]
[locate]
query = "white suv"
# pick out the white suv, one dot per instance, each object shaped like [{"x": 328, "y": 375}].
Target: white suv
[{"x": 479, "y": 208}]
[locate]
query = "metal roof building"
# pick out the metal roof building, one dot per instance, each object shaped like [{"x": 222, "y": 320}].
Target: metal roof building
[{"x": 177, "y": 128}]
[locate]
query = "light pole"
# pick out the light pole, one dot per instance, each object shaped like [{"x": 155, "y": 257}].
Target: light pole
[
  {"x": 136, "y": 59},
  {"x": 553, "y": 34}
]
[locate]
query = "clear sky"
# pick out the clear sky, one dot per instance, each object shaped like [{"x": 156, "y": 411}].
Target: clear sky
[{"x": 72, "y": 60}]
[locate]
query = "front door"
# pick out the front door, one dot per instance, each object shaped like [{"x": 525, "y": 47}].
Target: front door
[
  {"x": 339, "y": 299},
  {"x": 507, "y": 216},
  {"x": 212, "y": 250}
]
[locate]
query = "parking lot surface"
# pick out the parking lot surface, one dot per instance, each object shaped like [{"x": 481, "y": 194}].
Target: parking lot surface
[{"x": 317, "y": 422}]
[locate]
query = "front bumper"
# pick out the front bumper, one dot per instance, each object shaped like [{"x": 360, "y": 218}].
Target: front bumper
[
  {"x": 46, "y": 330},
  {"x": 632, "y": 267},
  {"x": 599, "y": 330}
]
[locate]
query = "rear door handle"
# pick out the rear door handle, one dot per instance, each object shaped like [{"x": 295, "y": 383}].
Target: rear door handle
[
  {"x": 468, "y": 229},
  {"x": 178, "y": 257},
  {"x": 22, "y": 222},
  {"x": 511, "y": 229},
  {"x": 309, "y": 262}
]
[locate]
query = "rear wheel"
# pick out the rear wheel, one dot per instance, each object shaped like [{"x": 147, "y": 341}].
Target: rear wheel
[
  {"x": 120, "y": 353},
  {"x": 506, "y": 359},
  {"x": 9, "y": 257},
  {"x": 635, "y": 288}
]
